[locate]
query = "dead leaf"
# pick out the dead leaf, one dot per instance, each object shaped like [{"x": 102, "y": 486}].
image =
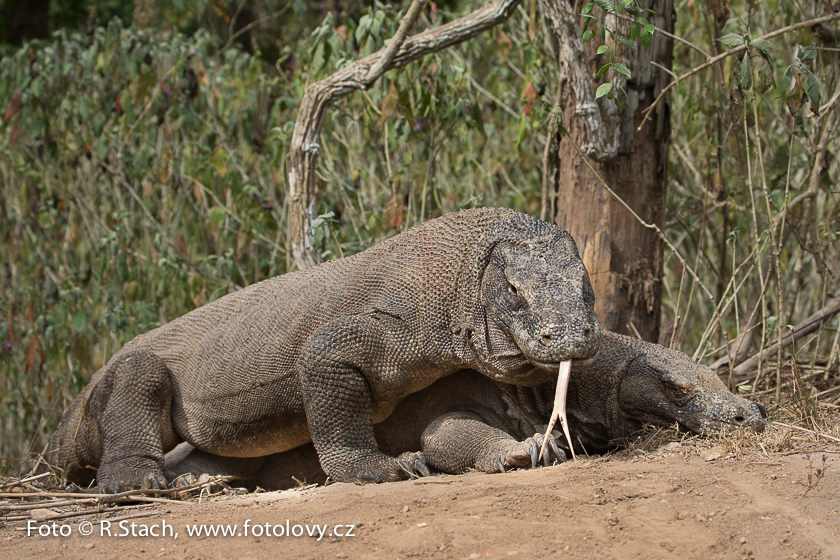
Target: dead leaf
[
  {"x": 13, "y": 107},
  {"x": 794, "y": 100},
  {"x": 341, "y": 31},
  {"x": 395, "y": 211},
  {"x": 433, "y": 12},
  {"x": 389, "y": 104},
  {"x": 529, "y": 96}
]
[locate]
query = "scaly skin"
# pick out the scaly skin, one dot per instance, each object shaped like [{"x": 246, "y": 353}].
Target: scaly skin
[
  {"x": 325, "y": 353},
  {"x": 467, "y": 421}
]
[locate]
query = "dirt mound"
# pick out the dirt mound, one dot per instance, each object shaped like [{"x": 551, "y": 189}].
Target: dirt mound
[{"x": 683, "y": 500}]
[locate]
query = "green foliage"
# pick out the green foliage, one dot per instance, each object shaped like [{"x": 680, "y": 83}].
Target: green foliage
[
  {"x": 745, "y": 161},
  {"x": 640, "y": 29}
]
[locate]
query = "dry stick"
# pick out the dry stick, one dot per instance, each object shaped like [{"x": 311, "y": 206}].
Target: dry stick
[
  {"x": 48, "y": 503},
  {"x": 736, "y": 50},
  {"x": 807, "y": 430},
  {"x": 361, "y": 74},
  {"x": 29, "y": 479},
  {"x": 807, "y": 326}
]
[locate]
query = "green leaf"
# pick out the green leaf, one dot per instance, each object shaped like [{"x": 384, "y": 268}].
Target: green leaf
[
  {"x": 732, "y": 40},
  {"x": 746, "y": 73},
  {"x": 78, "y": 320},
  {"x": 220, "y": 161},
  {"x": 622, "y": 69},
  {"x": 634, "y": 30},
  {"x": 587, "y": 9},
  {"x": 603, "y": 70},
  {"x": 587, "y": 35},
  {"x": 625, "y": 41},
  {"x": 646, "y": 40},
  {"x": 650, "y": 29},
  {"x": 216, "y": 215},
  {"x": 602, "y": 49},
  {"x": 604, "y": 5},
  {"x": 807, "y": 53},
  {"x": 623, "y": 6},
  {"x": 765, "y": 78},
  {"x": 812, "y": 88},
  {"x": 603, "y": 89},
  {"x": 762, "y": 45},
  {"x": 787, "y": 79}
]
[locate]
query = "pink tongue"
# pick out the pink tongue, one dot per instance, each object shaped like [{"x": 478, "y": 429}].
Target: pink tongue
[{"x": 559, "y": 410}]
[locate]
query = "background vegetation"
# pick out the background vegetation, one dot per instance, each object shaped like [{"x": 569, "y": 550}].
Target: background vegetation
[{"x": 143, "y": 174}]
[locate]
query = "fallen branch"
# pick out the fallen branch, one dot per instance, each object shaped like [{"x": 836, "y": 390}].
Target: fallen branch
[{"x": 807, "y": 326}]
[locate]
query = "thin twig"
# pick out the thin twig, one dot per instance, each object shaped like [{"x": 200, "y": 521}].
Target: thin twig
[{"x": 731, "y": 52}]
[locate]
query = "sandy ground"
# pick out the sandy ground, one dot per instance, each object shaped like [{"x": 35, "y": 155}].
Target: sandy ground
[{"x": 674, "y": 502}]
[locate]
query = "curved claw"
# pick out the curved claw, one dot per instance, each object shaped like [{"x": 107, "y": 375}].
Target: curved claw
[
  {"x": 420, "y": 465},
  {"x": 559, "y": 454},
  {"x": 406, "y": 469},
  {"x": 534, "y": 449},
  {"x": 498, "y": 464}
]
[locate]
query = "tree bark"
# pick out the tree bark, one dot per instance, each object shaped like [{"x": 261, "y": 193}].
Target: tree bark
[
  {"x": 624, "y": 259},
  {"x": 361, "y": 75}
]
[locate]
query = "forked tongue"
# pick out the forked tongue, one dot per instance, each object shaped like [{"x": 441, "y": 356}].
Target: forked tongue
[{"x": 559, "y": 410}]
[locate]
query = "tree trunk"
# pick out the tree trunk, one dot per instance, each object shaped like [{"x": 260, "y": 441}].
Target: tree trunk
[{"x": 623, "y": 257}]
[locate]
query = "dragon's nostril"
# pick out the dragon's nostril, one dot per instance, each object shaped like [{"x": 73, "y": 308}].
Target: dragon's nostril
[
  {"x": 545, "y": 338},
  {"x": 587, "y": 332},
  {"x": 739, "y": 419}
]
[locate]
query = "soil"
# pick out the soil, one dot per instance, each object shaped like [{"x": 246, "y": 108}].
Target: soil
[{"x": 679, "y": 501}]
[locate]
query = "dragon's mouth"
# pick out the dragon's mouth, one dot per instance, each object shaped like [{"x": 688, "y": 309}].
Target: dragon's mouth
[{"x": 577, "y": 363}]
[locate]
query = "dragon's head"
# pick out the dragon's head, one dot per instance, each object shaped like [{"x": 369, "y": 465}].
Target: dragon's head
[{"x": 538, "y": 307}]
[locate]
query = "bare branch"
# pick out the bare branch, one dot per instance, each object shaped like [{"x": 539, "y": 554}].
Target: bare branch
[
  {"x": 362, "y": 74},
  {"x": 807, "y": 326}
]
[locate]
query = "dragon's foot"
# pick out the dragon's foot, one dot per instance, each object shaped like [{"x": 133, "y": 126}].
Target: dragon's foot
[
  {"x": 520, "y": 454},
  {"x": 414, "y": 464},
  {"x": 374, "y": 467},
  {"x": 143, "y": 474}
]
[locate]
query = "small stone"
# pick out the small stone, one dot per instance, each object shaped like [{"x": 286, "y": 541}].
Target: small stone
[
  {"x": 424, "y": 524},
  {"x": 743, "y": 540},
  {"x": 683, "y": 515},
  {"x": 88, "y": 546},
  {"x": 405, "y": 509},
  {"x": 41, "y": 513},
  {"x": 341, "y": 555}
]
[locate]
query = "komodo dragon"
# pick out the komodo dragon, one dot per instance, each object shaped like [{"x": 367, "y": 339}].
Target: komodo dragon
[
  {"x": 467, "y": 421},
  {"x": 322, "y": 354}
]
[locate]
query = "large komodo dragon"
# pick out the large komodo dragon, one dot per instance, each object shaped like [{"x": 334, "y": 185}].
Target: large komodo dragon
[
  {"x": 467, "y": 421},
  {"x": 322, "y": 354}
]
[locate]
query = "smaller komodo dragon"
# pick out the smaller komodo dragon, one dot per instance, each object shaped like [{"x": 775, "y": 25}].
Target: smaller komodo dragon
[
  {"x": 467, "y": 421},
  {"x": 322, "y": 354}
]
